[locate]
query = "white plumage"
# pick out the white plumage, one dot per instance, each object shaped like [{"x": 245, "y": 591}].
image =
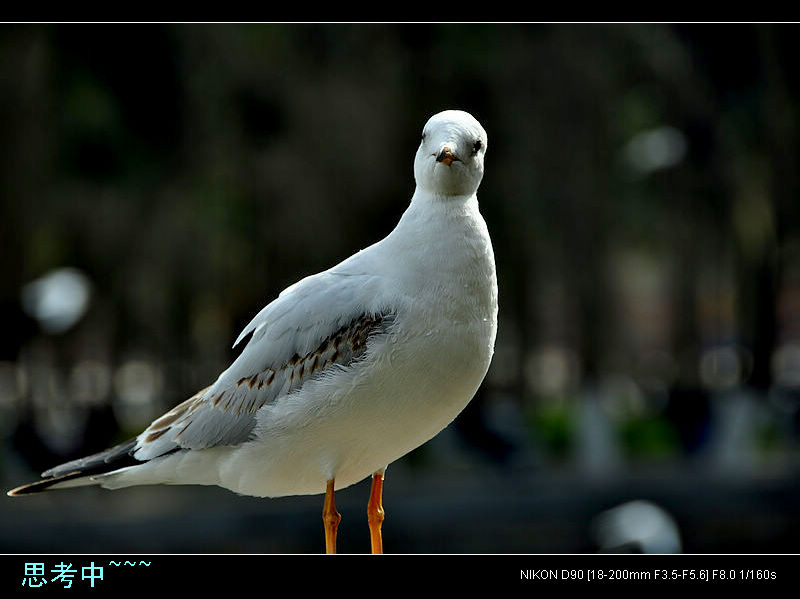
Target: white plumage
[{"x": 349, "y": 369}]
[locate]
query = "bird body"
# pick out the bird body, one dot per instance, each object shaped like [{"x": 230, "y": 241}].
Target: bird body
[
  {"x": 413, "y": 380},
  {"x": 346, "y": 370}
]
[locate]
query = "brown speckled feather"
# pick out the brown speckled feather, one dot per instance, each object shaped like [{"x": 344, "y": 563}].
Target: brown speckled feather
[{"x": 226, "y": 416}]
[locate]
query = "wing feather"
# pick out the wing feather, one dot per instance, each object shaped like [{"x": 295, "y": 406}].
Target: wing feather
[{"x": 312, "y": 326}]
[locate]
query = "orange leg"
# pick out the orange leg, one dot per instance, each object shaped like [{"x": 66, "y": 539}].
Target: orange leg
[
  {"x": 375, "y": 512},
  {"x": 331, "y": 518}
]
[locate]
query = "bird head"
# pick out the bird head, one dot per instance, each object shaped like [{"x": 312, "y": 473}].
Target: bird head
[{"x": 449, "y": 160}]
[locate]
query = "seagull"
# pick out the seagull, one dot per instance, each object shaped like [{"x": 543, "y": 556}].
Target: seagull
[{"x": 345, "y": 371}]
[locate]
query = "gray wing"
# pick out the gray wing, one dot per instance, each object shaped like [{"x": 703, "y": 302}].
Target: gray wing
[{"x": 311, "y": 327}]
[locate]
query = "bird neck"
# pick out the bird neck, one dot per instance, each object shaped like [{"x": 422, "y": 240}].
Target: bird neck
[
  {"x": 423, "y": 198},
  {"x": 446, "y": 232},
  {"x": 446, "y": 255}
]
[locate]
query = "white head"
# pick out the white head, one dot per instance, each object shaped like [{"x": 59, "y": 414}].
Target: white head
[{"x": 449, "y": 160}]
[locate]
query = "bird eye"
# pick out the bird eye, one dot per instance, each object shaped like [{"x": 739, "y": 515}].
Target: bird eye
[
  {"x": 476, "y": 146},
  {"x": 423, "y": 136}
]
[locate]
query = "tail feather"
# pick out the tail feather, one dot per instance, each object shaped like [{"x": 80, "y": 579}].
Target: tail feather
[{"x": 81, "y": 472}]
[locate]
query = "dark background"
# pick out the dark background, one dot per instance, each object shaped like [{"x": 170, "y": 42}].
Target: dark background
[{"x": 641, "y": 190}]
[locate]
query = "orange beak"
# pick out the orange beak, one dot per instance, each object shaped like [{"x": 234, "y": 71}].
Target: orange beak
[{"x": 446, "y": 156}]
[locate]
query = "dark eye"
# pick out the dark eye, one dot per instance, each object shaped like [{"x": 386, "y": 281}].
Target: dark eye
[
  {"x": 423, "y": 136},
  {"x": 476, "y": 146}
]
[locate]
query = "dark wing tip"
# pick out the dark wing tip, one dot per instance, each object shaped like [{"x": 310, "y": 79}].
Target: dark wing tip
[
  {"x": 114, "y": 458},
  {"x": 43, "y": 485}
]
